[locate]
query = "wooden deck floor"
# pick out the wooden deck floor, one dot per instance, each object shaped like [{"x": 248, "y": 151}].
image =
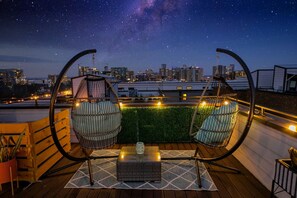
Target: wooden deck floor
[{"x": 229, "y": 184}]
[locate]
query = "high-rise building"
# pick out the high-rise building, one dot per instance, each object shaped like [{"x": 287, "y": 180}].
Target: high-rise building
[
  {"x": 230, "y": 74},
  {"x": 10, "y": 77},
  {"x": 120, "y": 73},
  {"x": 163, "y": 71},
  {"x": 194, "y": 74},
  {"x": 84, "y": 70},
  {"x": 130, "y": 76},
  {"x": 219, "y": 70}
]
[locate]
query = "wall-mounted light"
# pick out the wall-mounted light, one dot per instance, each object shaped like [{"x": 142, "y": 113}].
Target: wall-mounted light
[{"x": 292, "y": 128}]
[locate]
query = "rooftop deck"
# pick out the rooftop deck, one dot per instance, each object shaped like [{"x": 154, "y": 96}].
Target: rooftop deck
[{"x": 229, "y": 184}]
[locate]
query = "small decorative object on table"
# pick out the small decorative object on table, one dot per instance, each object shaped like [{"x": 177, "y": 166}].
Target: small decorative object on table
[{"x": 139, "y": 148}]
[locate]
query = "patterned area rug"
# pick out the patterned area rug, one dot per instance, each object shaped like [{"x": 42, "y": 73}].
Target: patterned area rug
[{"x": 176, "y": 174}]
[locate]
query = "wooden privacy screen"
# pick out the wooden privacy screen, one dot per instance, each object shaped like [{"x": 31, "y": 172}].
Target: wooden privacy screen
[{"x": 38, "y": 152}]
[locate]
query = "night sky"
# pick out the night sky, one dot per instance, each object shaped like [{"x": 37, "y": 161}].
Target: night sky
[{"x": 41, "y": 36}]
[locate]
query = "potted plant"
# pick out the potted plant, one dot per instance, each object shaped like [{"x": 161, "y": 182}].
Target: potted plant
[{"x": 8, "y": 163}]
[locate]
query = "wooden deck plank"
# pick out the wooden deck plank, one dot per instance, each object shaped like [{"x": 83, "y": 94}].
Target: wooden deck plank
[
  {"x": 181, "y": 146},
  {"x": 191, "y": 194},
  {"x": 158, "y": 193},
  {"x": 125, "y": 193},
  {"x": 83, "y": 193},
  {"x": 115, "y": 193},
  {"x": 168, "y": 194},
  {"x": 147, "y": 194},
  {"x": 243, "y": 179},
  {"x": 218, "y": 178},
  {"x": 180, "y": 194},
  {"x": 228, "y": 184},
  {"x": 136, "y": 193}
]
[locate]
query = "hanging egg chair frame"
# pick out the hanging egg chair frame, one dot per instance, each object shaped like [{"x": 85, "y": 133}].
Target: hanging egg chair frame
[
  {"x": 52, "y": 111},
  {"x": 213, "y": 160}
]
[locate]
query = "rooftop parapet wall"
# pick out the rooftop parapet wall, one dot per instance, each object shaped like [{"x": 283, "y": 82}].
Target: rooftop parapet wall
[{"x": 278, "y": 101}]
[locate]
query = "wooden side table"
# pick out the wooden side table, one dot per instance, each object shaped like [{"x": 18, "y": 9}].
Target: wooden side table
[
  {"x": 139, "y": 167},
  {"x": 285, "y": 177}
]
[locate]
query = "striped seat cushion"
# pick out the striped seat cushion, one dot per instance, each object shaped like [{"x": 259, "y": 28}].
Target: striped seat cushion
[
  {"x": 97, "y": 121},
  {"x": 216, "y": 128}
]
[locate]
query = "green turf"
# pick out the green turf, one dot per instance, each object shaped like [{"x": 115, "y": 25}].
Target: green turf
[{"x": 156, "y": 124}]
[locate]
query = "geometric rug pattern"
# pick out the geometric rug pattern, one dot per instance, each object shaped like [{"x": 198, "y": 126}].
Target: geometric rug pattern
[{"x": 176, "y": 174}]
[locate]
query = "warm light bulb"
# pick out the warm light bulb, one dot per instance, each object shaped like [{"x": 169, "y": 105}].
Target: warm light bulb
[
  {"x": 77, "y": 104},
  {"x": 292, "y": 128},
  {"x": 226, "y": 102},
  {"x": 159, "y": 103},
  {"x": 121, "y": 104},
  {"x": 203, "y": 103}
]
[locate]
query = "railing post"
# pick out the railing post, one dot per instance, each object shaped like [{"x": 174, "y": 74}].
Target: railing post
[{"x": 262, "y": 111}]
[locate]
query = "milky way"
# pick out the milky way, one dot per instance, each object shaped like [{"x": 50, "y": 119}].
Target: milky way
[{"x": 41, "y": 36}]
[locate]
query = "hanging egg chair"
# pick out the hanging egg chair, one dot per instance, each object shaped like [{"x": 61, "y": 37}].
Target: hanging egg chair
[
  {"x": 95, "y": 113},
  {"x": 216, "y": 122},
  {"x": 215, "y": 116}
]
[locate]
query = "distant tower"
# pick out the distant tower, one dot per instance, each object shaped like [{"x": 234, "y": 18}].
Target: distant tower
[
  {"x": 219, "y": 70},
  {"x": 162, "y": 71}
]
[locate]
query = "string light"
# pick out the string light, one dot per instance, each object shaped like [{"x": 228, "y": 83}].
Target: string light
[{"x": 203, "y": 103}]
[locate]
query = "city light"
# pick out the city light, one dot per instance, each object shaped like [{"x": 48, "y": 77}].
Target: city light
[{"x": 292, "y": 128}]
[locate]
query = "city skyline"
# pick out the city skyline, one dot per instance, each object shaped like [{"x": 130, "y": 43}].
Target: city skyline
[{"x": 40, "y": 37}]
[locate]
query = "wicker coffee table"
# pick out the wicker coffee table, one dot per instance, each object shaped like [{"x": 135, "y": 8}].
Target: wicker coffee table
[{"x": 139, "y": 167}]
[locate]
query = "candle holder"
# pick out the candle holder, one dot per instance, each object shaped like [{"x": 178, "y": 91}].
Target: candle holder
[{"x": 140, "y": 148}]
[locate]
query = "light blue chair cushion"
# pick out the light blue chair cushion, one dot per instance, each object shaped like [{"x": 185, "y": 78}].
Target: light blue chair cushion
[{"x": 217, "y": 128}]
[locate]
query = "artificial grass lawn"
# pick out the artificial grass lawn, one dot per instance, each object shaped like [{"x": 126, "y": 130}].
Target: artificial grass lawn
[{"x": 156, "y": 124}]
